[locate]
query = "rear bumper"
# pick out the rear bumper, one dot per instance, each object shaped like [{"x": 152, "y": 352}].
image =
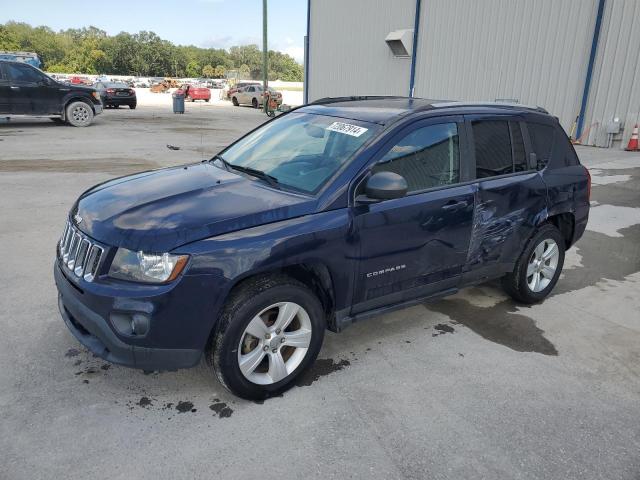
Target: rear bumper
[
  {"x": 120, "y": 100},
  {"x": 93, "y": 331}
]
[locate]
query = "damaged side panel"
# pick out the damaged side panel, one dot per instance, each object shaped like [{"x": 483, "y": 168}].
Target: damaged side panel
[{"x": 506, "y": 213}]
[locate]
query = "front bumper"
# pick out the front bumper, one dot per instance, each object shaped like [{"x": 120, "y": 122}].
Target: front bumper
[
  {"x": 94, "y": 332},
  {"x": 97, "y": 108}
]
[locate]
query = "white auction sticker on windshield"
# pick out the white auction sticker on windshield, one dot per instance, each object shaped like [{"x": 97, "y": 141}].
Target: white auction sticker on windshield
[{"x": 353, "y": 130}]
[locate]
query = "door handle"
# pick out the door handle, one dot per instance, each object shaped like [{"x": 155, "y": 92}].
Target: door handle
[{"x": 455, "y": 205}]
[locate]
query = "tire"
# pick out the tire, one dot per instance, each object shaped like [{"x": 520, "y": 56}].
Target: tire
[
  {"x": 234, "y": 100},
  {"x": 254, "y": 103},
  {"x": 266, "y": 298},
  {"x": 538, "y": 268},
  {"x": 79, "y": 114},
  {"x": 133, "y": 106},
  {"x": 206, "y": 100}
]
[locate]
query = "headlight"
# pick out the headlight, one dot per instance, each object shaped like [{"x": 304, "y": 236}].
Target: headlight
[{"x": 146, "y": 267}]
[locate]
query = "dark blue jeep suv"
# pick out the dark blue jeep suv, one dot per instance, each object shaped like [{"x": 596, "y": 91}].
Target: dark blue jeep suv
[{"x": 326, "y": 215}]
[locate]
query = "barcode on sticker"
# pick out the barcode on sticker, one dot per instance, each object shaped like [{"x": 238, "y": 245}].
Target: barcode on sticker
[{"x": 353, "y": 130}]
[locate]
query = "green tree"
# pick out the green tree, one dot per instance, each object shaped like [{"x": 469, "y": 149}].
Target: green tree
[
  {"x": 219, "y": 71},
  {"x": 208, "y": 71}
]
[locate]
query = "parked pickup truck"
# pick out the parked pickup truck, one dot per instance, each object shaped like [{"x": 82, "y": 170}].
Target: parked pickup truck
[
  {"x": 25, "y": 90},
  {"x": 324, "y": 216}
]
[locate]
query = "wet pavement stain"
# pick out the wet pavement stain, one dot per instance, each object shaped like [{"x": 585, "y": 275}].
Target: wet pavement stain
[
  {"x": 221, "y": 409},
  {"x": 441, "y": 329},
  {"x": 622, "y": 259},
  {"x": 500, "y": 324},
  {"x": 183, "y": 407},
  {"x": 320, "y": 368},
  {"x": 72, "y": 352}
]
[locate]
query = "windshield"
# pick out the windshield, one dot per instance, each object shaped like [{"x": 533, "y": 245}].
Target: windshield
[{"x": 300, "y": 150}]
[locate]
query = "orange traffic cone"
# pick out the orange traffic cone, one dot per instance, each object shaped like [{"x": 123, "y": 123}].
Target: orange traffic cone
[{"x": 633, "y": 141}]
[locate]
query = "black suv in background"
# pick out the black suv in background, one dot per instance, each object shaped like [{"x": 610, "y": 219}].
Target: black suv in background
[{"x": 26, "y": 90}]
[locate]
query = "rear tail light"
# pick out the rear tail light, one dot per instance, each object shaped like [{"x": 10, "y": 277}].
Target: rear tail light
[{"x": 588, "y": 184}]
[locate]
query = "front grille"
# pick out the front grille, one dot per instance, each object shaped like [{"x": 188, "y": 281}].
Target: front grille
[{"x": 79, "y": 254}]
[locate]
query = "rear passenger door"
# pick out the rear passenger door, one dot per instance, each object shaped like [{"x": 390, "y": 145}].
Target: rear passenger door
[{"x": 510, "y": 194}]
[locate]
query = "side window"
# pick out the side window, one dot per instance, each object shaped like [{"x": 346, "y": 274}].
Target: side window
[
  {"x": 541, "y": 141},
  {"x": 517, "y": 146},
  {"x": 493, "y": 148},
  {"x": 2, "y": 75},
  {"x": 427, "y": 157},
  {"x": 570, "y": 156},
  {"x": 19, "y": 73}
]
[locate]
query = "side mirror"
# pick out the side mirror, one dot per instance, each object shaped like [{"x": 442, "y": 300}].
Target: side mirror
[{"x": 385, "y": 186}]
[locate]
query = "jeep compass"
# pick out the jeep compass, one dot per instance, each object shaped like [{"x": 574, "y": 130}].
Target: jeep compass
[{"x": 323, "y": 216}]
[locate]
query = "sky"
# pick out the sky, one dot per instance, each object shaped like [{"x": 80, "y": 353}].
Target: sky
[{"x": 204, "y": 23}]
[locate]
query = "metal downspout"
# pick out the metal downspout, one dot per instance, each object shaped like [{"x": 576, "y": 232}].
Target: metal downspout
[{"x": 592, "y": 58}]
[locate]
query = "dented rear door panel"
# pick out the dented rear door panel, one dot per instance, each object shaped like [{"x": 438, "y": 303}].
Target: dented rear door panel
[{"x": 506, "y": 214}]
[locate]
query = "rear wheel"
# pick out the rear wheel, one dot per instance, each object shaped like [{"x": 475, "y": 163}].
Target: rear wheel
[
  {"x": 538, "y": 268},
  {"x": 132, "y": 106},
  {"x": 254, "y": 103},
  {"x": 79, "y": 114},
  {"x": 235, "y": 101},
  {"x": 271, "y": 331}
]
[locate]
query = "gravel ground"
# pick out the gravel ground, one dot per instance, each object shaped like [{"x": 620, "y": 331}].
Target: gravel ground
[{"x": 473, "y": 386}]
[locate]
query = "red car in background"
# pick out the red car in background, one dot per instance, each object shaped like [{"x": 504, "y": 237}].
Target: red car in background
[{"x": 195, "y": 92}]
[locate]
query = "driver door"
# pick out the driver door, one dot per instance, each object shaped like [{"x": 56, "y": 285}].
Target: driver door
[
  {"x": 30, "y": 92},
  {"x": 417, "y": 245}
]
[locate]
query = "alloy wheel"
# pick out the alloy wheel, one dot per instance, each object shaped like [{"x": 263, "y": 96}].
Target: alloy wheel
[
  {"x": 274, "y": 343},
  {"x": 542, "y": 265}
]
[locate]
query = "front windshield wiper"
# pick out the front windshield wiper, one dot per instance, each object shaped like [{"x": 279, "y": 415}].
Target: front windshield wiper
[{"x": 270, "y": 179}]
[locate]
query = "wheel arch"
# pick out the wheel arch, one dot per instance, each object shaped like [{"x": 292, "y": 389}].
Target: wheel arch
[
  {"x": 566, "y": 223},
  {"x": 75, "y": 98},
  {"x": 313, "y": 274}
]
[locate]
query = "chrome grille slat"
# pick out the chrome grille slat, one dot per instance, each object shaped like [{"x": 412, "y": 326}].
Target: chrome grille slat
[{"x": 79, "y": 254}]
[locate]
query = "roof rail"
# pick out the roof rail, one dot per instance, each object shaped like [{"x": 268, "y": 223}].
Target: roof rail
[
  {"x": 352, "y": 98},
  {"x": 489, "y": 104}
]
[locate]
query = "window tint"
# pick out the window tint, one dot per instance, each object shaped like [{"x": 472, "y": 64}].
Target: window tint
[
  {"x": 23, "y": 74},
  {"x": 517, "y": 144},
  {"x": 2, "y": 75},
  {"x": 570, "y": 157},
  {"x": 493, "y": 148},
  {"x": 499, "y": 147},
  {"x": 541, "y": 142},
  {"x": 427, "y": 157}
]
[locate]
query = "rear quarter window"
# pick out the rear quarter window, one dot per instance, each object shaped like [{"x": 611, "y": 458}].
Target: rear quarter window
[{"x": 542, "y": 138}]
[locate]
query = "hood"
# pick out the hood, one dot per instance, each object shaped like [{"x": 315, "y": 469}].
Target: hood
[{"x": 160, "y": 210}]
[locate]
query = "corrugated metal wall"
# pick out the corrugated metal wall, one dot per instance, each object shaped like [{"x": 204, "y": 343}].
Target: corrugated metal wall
[
  {"x": 615, "y": 87},
  {"x": 348, "y": 54},
  {"x": 533, "y": 51}
]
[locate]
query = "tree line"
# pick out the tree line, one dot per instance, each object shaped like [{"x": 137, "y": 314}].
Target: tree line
[{"x": 90, "y": 50}]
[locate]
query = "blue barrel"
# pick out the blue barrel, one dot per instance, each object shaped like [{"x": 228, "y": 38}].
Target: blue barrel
[{"x": 178, "y": 102}]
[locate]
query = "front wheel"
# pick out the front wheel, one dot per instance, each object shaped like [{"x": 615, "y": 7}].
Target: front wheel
[
  {"x": 270, "y": 331},
  {"x": 234, "y": 100},
  {"x": 538, "y": 268},
  {"x": 79, "y": 114},
  {"x": 254, "y": 103}
]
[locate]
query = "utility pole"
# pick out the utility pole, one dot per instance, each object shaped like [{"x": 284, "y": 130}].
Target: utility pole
[{"x": 265, "y": 55}]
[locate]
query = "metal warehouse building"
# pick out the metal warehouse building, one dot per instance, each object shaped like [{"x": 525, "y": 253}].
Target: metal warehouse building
[{"x": 579, "y": 59}]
